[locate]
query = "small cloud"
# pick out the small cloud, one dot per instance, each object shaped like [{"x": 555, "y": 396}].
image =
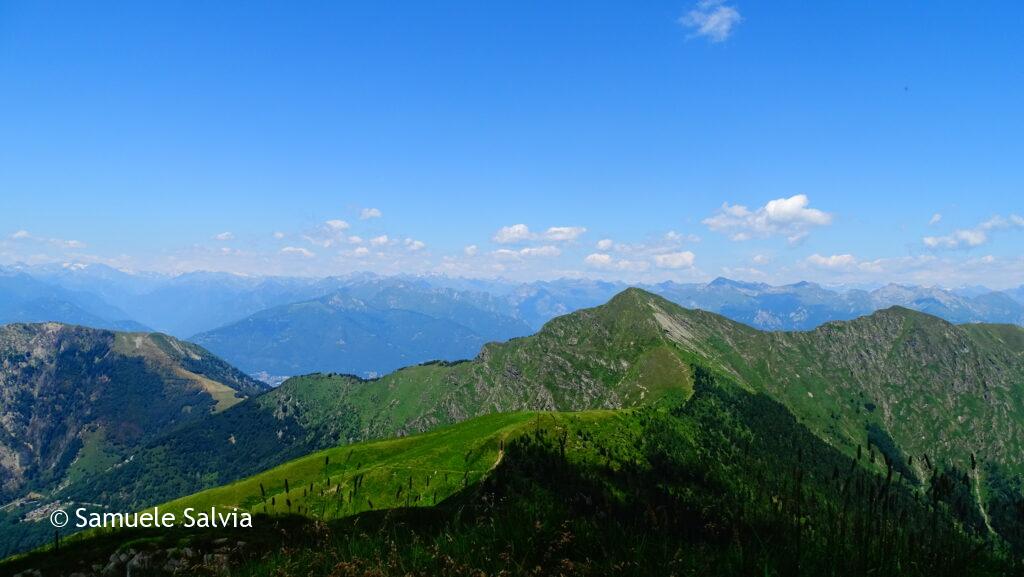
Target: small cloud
[
  {"x": 506, "y": 253},
  {"x": 607, "y": 262},
  {"x": 361, "y": 251},
  {"x": 279, "y": 235},
  {"x": 599, "y": 260},
  {"x": 564, "y": 233},
  {"x": 789, "y": 217},
  {"x": 328, "y": 234},
  {"x": 961, "y": 238},
  {"x": 380, "y": 240},
  {"x": 976, "y": 236},
  {"x": 835, "y": 261},
  {"x": 531, "y": 251},
  {"x": 56, "y": 242},
  {"x": 934, "y": 219},
  {"x": 368, "y": 213},
  {"x": 355, "y": 239},
  {"x": 520, "y": 233},
  {"x": 675, "y": 260},
  {"x": 761, "y": 259},
  {"x": 298, "y": 251},
  {"x": 512, "y": 234},
  {"x": 546, "y": 250},
  {"x": 673, "y": 236},
  {"x": 712, "y": 19},
  {"x": 224, "y": 236},
  {"x": 471, "y": 250},
  {"x": 605, "y": 244},
  {"x": 414, "y": 245}
]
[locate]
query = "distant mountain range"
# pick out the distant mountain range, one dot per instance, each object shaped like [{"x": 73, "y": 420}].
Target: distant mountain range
[
  {"x": 393, "y": 327},
  {"x": 24, "y": 298},
  {"x": 365, "y": 324}
]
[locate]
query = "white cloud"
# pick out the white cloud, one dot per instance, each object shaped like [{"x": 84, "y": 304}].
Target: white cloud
[
  {"x": 682, "y": 259},
  {"x": 471, "y": 250},
  {"x": 673, "y": 236},
  {"x": 224, "y": 236},
  {"x": 761, "y": 259},
  {"x": 380, "y": 240},
  {"x": 712, "y": 19},
  {"x": 361, "y": 251},
  {"x": 835, "y": 261},
  {"x": 530, "y": 251},
  {"x": 298, "y": 251},
  {"x": 961, "y": 238},
  {"x": 632, "y": 265},
  {"x": 789, "y": 217},
  {"x": 546, "y": 250},
  {"x": 414, "y": 245},
  {"x": 521, "y": 233},
  {"x": 564, "y": 233},
  {"x": 506, "y": 253},
  {"x": 368, "y": 213},
  {"x": 976, "y": 236},
  {"x": 355, "y": 239},
  {"x": 279, "y": 235},
  {"x": 328, "y": 234},
  {"x": 934, "y": 219},
  {"x": 57, "y": 242},
  {"x": 605, "y": 244},
  {"x": 511, "y": 234},
  {"x": 607, "y": 262}
]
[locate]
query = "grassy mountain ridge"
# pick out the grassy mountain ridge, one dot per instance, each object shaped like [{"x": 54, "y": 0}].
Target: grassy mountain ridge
[
  {"x": 855, "y": 384},
  {"x": 614, "y": 358}
]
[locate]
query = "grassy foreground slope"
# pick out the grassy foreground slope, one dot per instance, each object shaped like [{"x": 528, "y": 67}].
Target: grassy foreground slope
[
  {"x": 409, "y": 471},
  {"x": 725, "y": 483}
]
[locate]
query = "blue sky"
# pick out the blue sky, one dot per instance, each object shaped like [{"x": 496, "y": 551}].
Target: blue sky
[{"x": 136, "y": 134}]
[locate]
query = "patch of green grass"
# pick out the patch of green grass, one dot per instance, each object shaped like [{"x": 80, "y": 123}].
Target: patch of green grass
[
  {"x": 94, "y": 457},
  {"x": 421, "y": 470}
]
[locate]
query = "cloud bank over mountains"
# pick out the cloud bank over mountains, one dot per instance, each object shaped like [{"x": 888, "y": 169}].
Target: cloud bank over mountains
[{"x": 780, "y": 240}]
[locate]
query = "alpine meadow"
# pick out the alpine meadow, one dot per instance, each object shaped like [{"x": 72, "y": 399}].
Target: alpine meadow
[{"x": 688, "y": 288}]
